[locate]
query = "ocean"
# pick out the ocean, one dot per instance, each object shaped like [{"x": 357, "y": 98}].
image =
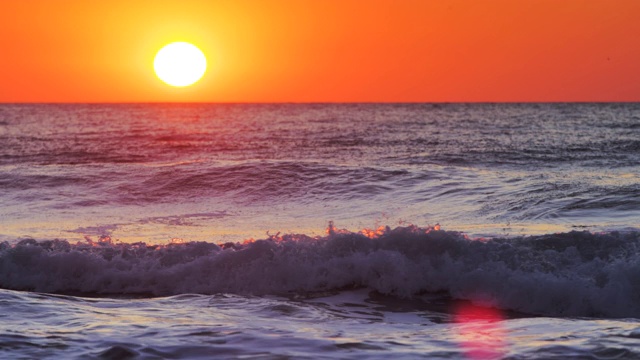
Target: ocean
[{"x": 320, "y": 231}]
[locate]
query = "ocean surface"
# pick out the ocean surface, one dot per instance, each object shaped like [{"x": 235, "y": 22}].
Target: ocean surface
[{"x": 337, "y": 231}]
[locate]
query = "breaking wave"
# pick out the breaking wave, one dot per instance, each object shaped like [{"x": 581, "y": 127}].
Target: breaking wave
[{"x": 566, "y": 274}]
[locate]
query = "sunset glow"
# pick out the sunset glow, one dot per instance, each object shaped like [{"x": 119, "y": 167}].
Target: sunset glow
[{"x": 325, "y": 51}]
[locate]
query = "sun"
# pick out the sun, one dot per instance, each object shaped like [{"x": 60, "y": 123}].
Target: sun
[{"x": 180, "y": 64}]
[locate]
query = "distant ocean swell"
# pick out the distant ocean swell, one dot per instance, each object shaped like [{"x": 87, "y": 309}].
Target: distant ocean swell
[
  {"x": 565, "y": 274},
  {"x": 495, "y": 195}
]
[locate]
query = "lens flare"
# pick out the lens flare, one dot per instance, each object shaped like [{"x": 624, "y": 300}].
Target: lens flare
[{"x": 480, "y": 331}]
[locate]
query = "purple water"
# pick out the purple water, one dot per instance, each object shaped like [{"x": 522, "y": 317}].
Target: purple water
[{"x": 320, "y": 231}]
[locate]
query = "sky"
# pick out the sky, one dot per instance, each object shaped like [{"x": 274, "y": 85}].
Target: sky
[{"x": 324, "y": 51}]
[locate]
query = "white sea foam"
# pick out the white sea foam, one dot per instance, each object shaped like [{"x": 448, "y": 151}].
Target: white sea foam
[{"x": 568, "y": 274}]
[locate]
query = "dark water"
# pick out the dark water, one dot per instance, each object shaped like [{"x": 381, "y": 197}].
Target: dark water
[{"x": 320, "y": 230}]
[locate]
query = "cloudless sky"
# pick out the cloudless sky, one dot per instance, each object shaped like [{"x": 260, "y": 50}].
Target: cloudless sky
[{"x": 324, "y": 51}]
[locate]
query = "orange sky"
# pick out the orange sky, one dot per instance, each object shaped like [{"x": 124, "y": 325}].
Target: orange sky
[{"x": 324, "y": 51}]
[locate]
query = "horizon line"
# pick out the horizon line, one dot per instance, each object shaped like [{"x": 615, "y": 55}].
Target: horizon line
[{"x": 307, "y": 102}]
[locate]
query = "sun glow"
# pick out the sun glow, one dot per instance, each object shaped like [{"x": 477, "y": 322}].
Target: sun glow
[{"x": 180, "y": 64}]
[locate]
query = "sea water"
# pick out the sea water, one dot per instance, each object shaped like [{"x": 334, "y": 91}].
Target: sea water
[{"x": 464, "y": 231}]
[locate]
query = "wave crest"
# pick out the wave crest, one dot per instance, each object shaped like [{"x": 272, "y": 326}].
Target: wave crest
[{"x": 566, "y": 274}]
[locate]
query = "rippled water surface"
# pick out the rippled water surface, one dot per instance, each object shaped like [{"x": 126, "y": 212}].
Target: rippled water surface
[
  {"x": 320, "y": 230},
  {"x": 350, "y": 325},
  {"x": 231, "y": 172}
]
